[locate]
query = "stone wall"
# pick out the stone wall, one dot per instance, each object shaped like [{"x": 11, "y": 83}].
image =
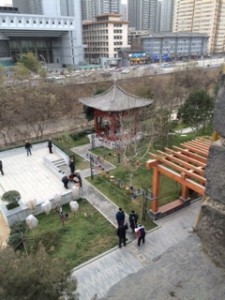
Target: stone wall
[{"x": 211, "y": 226}]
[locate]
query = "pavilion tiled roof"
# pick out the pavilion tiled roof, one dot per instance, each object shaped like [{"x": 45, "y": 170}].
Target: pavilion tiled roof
[{"x": 115, "y": 99}]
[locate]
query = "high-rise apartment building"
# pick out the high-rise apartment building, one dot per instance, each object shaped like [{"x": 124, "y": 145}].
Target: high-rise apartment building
[
  {"x": 166, "y": 15},
  {"x": 93, "y": 8},
  {"x": 51, "y": 29},
  {"x": 142, "y": 14},
  {"x": 204, "y": 17}
]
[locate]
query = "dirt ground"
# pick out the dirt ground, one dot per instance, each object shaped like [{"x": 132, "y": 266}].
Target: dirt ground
[{"x": 4, "y": 232}]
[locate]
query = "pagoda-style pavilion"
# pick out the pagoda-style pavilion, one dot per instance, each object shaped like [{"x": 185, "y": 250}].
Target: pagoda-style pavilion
[
  {"x": 111, "y": 107},
  {"x": 185, "y": 165}
]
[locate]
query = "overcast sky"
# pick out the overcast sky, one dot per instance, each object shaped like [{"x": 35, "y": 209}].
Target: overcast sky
[{"x": 5, "y": 2}]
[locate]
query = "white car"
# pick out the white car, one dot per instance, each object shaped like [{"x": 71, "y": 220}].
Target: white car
[{"x": 125, "y": 71}]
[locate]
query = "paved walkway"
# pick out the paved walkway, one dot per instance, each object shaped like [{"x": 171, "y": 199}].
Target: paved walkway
[{"x": 97, "y": 276}]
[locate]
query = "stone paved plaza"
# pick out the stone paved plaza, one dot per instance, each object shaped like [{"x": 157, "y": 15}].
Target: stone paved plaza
[{"x": 28, "y": 175}]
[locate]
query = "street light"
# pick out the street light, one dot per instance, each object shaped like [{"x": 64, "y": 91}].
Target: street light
[{"x": 92, "y": 166}]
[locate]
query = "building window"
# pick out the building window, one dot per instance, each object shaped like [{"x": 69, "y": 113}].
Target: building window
[
  {"x": 34, "y": 22},
  {"x": 3, "y": 21},
  {"x": 11, "y": 21}
]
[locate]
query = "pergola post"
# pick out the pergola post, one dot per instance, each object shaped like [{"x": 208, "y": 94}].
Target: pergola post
[
  {"x": 184, "y": 189},
  {"x": 155, "y": 189}
]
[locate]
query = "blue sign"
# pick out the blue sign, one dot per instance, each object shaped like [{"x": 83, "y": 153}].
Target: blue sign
[
  {"x": 165, "y": 56},
  {"x": 155, "y": 57},
  {"x": 137, "y": 55}
]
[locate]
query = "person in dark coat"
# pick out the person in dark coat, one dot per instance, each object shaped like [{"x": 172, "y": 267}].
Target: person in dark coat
[
  {"x": 133, "y": 218},
  {"x": 77, "y": 178},
  {"x": 50, "y": 145},
  {"x": 140, "y": 232},
  {"x": 28, "y": 147},
  {"x": 72, "y": 165},
  {"x": 121, "y": 232},
  {"x": 65, "y": 180},
  {"x": 120, "y": 216},
  {"x": 1, "y": 167}
]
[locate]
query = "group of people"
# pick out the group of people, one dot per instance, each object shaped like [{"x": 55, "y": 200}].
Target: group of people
[
  {"x": 28, "y": 147},
  {"x": 138, "y": 229},
  {"x": 73, "y": 177}
]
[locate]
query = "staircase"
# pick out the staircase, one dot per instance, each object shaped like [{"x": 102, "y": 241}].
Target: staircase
[{"x": 61, "y": 166}]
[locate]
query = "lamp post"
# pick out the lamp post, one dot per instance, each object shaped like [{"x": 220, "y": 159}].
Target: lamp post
[{"x": 91, "y": 167}]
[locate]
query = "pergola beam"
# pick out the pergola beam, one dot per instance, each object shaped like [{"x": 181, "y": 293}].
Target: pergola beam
[
  {"x": 178, "y": 168},
  {"x": 184, "y": 164},
  {"x": 186, "y": 158},
  {"x": 198, "y": 188},
  {"x": 191, "y": 154},
  {"x": 195, "y": 150},
  {"x": 198, "y": 145}
]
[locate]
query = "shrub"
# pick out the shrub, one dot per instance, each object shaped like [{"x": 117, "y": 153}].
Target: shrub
[
  {"x": 16, "y": 241},
  {"x": 12, "y": 197},
  {"x": 18, "y": 227}
]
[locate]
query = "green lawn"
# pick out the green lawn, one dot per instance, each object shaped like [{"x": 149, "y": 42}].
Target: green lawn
[
  {"x": 84, "y": 235},
  {"x": 142, "y": 179},
  {"x": 89, "y": 233}
]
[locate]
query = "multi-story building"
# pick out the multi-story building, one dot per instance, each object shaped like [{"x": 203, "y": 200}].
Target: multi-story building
[
  {"x": 166, "y": 15},
  {"x": 104, "y": 37},
  {"x": 93, "y": 8},
  {"x": 142, "y": 14},
  {"x": 170, "y": 46},
  {"x": 204, "y": 17},
  {"x": 134, "y": 38},
  {"x": 50, "y": 29}
]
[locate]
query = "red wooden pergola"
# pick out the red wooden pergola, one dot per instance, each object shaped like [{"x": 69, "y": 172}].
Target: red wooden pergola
[{"x": 185, "y": 165}]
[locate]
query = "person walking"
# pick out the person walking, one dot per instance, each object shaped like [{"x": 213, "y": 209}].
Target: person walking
[
  {"x": 133, "y": 218},
  {"x": 28, "y": 147},
  {"x": 120, "y": 216},
  {"x": 72, "y": 165},
  {"x": 1, "y": 167},
  {"x": 140, "y": 232},
  {"x": 121, "y": 232},
  {"x": 50, "y": 145}
]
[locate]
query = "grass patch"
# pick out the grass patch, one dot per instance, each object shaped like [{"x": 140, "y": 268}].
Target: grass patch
[
  {"x": 122, "y": 198},
  {"x": 142, "y": 179},
  {"x": 83, "y": 237}
]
